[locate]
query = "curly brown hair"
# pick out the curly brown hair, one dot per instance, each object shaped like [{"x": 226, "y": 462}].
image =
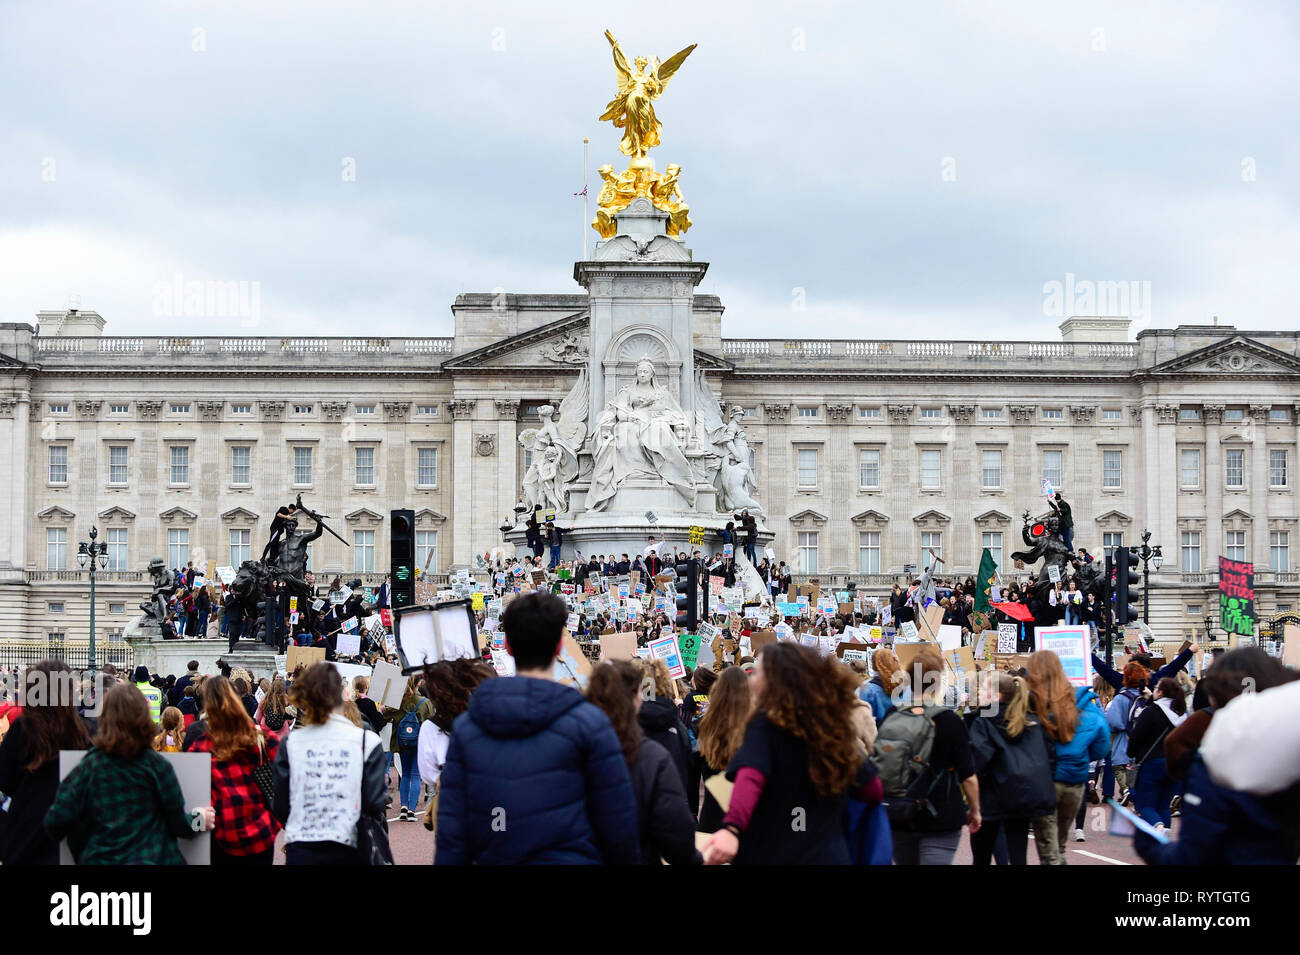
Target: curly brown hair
[
  {"x": 316, "y": 693},
  {"x": 448, "y": 684},
  {"x": 812, "y": 698}
]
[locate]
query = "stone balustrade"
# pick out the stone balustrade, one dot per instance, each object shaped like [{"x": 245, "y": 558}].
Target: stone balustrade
[{"x": 766, "y": 349}]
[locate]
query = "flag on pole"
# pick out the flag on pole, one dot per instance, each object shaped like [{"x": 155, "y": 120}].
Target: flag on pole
[
  {"x": 984, "y": 581},
  {"x": 583, "y": 193}
]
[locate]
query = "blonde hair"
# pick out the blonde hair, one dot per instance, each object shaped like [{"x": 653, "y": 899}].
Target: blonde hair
[
  {"x": 657, "y": 670},
  {"x": 1013, "y": 696}
]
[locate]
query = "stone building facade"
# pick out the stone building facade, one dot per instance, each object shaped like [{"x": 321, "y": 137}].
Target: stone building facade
[{"x": 866, "y": 451}]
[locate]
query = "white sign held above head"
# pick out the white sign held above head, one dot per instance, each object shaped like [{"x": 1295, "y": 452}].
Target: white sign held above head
[
  {"x": 1054, "y": 573},
  {"x": 1047, "y": 488}
]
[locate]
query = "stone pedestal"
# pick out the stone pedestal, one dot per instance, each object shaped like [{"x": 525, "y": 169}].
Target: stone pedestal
[{"x": 171, "y": 656}]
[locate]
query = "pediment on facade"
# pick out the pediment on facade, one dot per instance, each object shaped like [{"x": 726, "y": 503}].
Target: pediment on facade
[
  {"x": 1114, "y": 517},
  {"x": 1237, "y": 514},
  {"x": 1237, "y": 356},
  {"x": 552, "y": 346},
  {"x": 428, "y": 515},
  {"x": 808, "y": 516},
  {"x": 870, "y": 516},
  {"x": 931, "y": 516},
  {"x": 55, "y": 513},
  {"x": 993, "y": 516},
  {"x": 239, "y": 514},
  {"x": 116, "y": 513},
  {"x": 176, "y": 514},
  {"x": 363, "y": 515}
]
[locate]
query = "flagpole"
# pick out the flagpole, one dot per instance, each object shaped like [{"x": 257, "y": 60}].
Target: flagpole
[{"x": 584, "y": 199}]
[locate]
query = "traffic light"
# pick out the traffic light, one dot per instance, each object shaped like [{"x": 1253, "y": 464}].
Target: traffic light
[
  {"x": 688, "y": 594},
  {"x": 401, "y": 556},
  {"x": 1128, "y": 593}
]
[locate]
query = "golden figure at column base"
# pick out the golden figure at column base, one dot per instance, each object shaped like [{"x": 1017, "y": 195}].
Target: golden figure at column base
[{"x": 632, "y": 110}]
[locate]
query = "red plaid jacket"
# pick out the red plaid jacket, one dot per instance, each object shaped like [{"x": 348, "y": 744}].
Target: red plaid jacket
[{"x": 245, "y": 824}]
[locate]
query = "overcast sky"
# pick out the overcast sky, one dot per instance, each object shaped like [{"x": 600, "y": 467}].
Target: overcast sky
[{"x": 916, "y": 169}]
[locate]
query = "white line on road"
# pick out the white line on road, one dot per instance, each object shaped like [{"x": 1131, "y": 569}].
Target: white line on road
[{"x": 1093, "y": 855}]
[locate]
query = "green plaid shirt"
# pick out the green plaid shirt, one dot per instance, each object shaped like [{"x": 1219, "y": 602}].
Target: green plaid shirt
[{"x": 120, "y": 812}]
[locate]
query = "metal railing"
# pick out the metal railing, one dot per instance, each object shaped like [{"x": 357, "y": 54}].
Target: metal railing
[{"x": 24, "y": 651}]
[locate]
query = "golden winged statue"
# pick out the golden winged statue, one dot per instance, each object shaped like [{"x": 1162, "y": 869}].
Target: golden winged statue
[{"x": 632, "y": 110}]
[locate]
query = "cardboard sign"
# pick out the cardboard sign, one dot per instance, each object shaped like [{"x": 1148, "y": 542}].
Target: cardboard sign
[
  {"x": 931, "y": 621},
  {"x": 618, "y": 646},
  {"x": 348, "y": 644},
  {"x": 907, "y": 653},
  {"x": 1007, "y": 637},
  {"x": 854, "y": 655},
  {"x": 387, "y": 685},
  {"x": 306, "y": 656},
  {"x": 1071, "y": 645},
  {"x": 1291, "y": 645},
  {"x": 572, "y": 667},
  {"x": 762, "y": 638},
  {"x": 666, "y": 649},
  {"x": 909, "y": 630}
]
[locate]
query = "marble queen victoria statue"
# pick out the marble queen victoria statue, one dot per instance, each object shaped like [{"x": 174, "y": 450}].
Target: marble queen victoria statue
[{"x": 641, "y": 433}]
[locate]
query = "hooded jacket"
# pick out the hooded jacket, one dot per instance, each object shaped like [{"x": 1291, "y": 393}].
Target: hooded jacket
[
  {"x": 535, "y": 775},
  {"x": 1091, "y": 740},
  {"x": 1222, "y": 826},
  {"x": 665, "y": 824},
  {"x": 660, "y": 722}
]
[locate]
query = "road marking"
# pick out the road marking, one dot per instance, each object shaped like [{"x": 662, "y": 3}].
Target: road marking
[{"x": 1093, "y": 855}]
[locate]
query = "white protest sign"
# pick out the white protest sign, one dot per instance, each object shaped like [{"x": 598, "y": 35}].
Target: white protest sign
[
  {"x": 387, "y": 685},
  {"x": 949, "y": 638},
  {"x": 1071, "y": 645},
  {"x": 666, "y": 649},
  {"x": 1007, "y": 637},
  {"x": 350, "y": 671},
  {"x": 1047, "y": 488},
  {"x": 348, "y": 644},
  {"x": 909, "y": 630},
  {"x": 226, "y": 575},
  {"x": 1054, "y": 573}
]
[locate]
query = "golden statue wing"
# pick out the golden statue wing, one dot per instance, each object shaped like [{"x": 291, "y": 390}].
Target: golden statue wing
[
  {"x": 620, "y": 63},
  {"x": 664, "y": 71}
]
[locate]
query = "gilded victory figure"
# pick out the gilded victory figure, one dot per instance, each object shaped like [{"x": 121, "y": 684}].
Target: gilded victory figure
[{"x": 632, "y": 110}]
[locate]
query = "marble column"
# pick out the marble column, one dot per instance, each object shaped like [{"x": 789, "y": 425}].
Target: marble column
[
  {"x": 1257, "y": 479},
  {"x": 1212, "y": 484},
  {"x": 463, "y": 413},
  {"x": 15, "y": 428}
]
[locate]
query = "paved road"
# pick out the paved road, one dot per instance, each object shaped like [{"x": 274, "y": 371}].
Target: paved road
[{"x": 412, "y": 844}]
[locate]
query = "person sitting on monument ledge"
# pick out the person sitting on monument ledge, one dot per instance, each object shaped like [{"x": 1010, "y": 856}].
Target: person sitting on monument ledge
[{"x": 282, "y": 517}]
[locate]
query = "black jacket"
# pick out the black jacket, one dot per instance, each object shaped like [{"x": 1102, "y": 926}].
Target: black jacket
[
  {"x": 1148, "y": 731},
  {"x": 660, "y": 722},
  {"x": 665, "y": 826},
  {"x": 1015, "y": 775}
]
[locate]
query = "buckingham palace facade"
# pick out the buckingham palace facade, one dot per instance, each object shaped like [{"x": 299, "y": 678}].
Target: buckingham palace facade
[{"x": 866, "y": 452}]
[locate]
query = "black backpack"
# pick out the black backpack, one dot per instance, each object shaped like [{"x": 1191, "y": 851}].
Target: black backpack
[{"x": 1137, "y": 703}]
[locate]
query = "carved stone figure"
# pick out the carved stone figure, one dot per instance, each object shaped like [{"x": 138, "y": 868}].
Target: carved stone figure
[
  {"x": 566, "y": 438},
  {"x": 736, "y": 483},
  {"x": 642, "y": 433}
]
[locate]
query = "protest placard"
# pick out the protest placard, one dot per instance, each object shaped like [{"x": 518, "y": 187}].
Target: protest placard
[
  {"x": 387, "y": 685},
  {"x": 304, "y": 655},
  {"x": 1054, "y": 573},
  {"x": 666, "y": 649},
  {"x": 282, "y": 664},
  {"x": 1237, "y": 597},
  {"x": 1291, "y": 645},
  {"x": 886, "y": 615},
  {"x": 348, "y": 644},
  {"x": 350, "y": 671},
  {"x": 572, "y": 667},
  {"x": 1007, "y": 635},
  {"x": 689, "y": 644},
  {"x": 949, "y": 637},
  {"x": 877, "y": 634},
  {"x": 1071, "y": 645},
  {"x": 618, "y": 646},
  {"x": 226, "y": 575},
  {"x": 909, "y": 630},
  {"x": 193, "y": 772}
]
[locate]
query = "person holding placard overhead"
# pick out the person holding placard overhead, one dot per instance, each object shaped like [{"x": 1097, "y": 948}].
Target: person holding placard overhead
[{"x": 534, "y": 773}]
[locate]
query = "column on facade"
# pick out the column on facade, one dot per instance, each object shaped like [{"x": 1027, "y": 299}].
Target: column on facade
[
  {"x": 1258, "y": 478},
  {"x": 903, "y": 475},
  {"x": 152, "y": 480},
  {"x": 1212, "y": 485},
  {"x": 776, "y": 439},
  {"x": 1164, "y": 522},
  {"x": 507, "y": 463},
  {"x": 15, "y": 428},
  {"x": 463, "y": 414},
  {"x": 964, "y": 496},
  {"x": 1149, "y": 443},
  {"x": 841, "y": 469}
]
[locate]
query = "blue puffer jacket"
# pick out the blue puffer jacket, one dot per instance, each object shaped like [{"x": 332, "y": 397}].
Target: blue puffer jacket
[
  {"x": 535, "y": 775},
  {"x": 1091, "y": 740},
  {"x": 1221, "y": 826}
]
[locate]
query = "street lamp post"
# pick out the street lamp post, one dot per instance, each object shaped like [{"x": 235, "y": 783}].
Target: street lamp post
[
  {"x": 1149, "y": 555},
  {"x": 88, "y": 555}
]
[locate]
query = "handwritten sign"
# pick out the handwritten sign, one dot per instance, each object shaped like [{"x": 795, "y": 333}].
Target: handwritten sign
[
  {"x": 1237, "y": 597},
  {"x": 1007, "y": 633},
  {"x": 1071, "y": 645},
  {"x": 909, "y": 630}
]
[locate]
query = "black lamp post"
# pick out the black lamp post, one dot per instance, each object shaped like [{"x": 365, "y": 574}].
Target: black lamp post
[
  {"x": 1149, "y": 555},
  {"x": 88, "y": 555}
]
